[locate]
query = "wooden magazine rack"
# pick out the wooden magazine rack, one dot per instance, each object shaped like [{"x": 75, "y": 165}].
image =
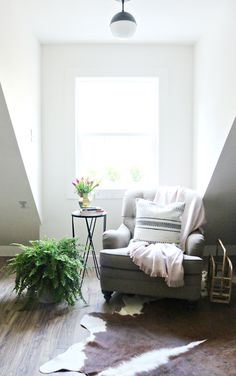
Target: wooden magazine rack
[{"x": 220, "y": 275}]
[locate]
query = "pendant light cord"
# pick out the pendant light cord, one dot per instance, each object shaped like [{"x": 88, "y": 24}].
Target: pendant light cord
[{"x": 123, "y": 1}]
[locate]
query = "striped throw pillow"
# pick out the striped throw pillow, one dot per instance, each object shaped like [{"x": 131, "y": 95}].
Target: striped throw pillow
[{"x": 156, "y": 223}]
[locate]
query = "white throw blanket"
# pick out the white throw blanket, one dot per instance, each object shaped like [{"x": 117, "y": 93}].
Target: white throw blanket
[
  {"x": 163, "y": 259},
  {"x": 194, "y": 214},
  {"x": 159, "y": 260}
]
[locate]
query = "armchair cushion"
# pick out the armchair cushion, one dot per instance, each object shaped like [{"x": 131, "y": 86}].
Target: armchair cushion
[
  {"x": 158, "y": 223},
  {"x": 120, "y": 259}
]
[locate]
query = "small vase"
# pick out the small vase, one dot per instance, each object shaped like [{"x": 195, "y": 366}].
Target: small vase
[{"x": 85, "y": 200}]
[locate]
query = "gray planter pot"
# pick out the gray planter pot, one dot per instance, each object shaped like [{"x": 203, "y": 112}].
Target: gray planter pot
[{"x": 47, "y": 297}]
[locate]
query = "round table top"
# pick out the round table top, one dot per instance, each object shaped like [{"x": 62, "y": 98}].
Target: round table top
[{"x": 89, "y": 213}]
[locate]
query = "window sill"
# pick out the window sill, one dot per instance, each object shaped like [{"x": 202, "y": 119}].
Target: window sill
[
  {"x": 103, "y": 194},
  {"x": 108, "y": 194}
]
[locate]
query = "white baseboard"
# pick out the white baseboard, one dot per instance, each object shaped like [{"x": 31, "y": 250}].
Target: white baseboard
[
  {"x": 9, "y": 250},
  {"x": 90, "y": 263}
]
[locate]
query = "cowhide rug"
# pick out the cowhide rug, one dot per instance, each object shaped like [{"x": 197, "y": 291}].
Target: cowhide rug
[{"x": 162, "y": 337}]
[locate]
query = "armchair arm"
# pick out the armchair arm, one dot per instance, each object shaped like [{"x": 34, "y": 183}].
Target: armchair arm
[
  {"x": 195, "y": 244},
  {"x": 116, "y": 238}
]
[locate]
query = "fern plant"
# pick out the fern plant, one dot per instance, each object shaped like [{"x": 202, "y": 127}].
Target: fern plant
[{"x": 49, "y": 265}]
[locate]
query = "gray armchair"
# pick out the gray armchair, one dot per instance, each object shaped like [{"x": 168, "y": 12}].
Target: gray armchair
[{"x": 119, "y": 273}]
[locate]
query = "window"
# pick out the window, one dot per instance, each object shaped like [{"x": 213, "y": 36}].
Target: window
[{"x": 117, "y": 129}]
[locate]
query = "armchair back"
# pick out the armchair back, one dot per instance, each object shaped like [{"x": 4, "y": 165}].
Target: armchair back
[
  {"x": 129, "y": 205},
  {"x": 165, "y": 195}
]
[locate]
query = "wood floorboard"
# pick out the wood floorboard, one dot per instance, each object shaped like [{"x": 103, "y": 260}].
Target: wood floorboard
[{"x": 30, "y": 337}]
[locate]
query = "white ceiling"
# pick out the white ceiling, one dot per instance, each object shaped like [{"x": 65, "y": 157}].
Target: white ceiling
[{"x": 159, "y": 21}]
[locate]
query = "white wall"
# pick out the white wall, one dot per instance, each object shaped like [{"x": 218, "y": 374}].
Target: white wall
[
  {"x": 215, "y": 93},
  {"x": 18, "y": 224},
  {"x": 60, "y": 65},
  {"x": 20, "y": 80}
]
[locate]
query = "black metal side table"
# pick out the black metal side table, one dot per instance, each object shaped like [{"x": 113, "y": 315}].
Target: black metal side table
[{"x": 90, "y": 220}]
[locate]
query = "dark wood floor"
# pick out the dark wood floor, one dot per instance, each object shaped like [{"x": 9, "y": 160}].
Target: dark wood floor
[{"x": 30, "y": 337}]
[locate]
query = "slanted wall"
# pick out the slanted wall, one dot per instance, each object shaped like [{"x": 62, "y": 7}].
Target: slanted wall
[
  {"x": 19, "y": 219},
  {"x": 220, "y": 196}
]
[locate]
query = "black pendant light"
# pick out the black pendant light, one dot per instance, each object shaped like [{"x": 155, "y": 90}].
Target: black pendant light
[{"x": 123, "y": 24}]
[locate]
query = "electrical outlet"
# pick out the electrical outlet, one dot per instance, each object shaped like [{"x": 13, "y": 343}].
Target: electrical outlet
[{"x": 23, "y": 204}]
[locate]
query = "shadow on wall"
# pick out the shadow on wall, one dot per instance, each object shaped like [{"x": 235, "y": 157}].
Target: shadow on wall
[
  {"x": 19, "y": 220},
  {"x": 220, "y": 196}
]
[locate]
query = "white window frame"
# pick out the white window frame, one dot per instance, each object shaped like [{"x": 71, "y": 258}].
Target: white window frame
[{"x": 113, "y": 192}]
